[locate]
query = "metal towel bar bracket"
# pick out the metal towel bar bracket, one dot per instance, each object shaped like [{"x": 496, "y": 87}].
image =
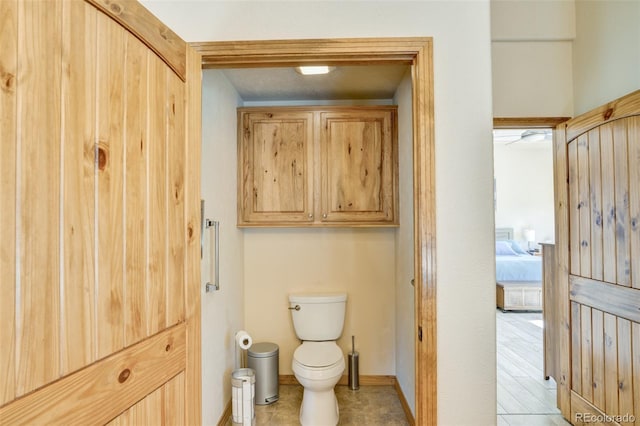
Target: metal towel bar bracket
[{"x": 208, "y": 223}]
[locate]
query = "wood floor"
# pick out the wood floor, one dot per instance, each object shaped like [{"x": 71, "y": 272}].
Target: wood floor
[{"x": 524, "y": 396}]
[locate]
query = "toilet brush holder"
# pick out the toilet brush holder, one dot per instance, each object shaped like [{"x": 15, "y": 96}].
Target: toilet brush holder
[{"x": 354, "y": 360}]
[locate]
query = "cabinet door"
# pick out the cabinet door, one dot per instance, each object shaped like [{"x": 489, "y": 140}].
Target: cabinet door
[
  {"x": 358, "y": 154},
  {"x": 276, "y": 182}
]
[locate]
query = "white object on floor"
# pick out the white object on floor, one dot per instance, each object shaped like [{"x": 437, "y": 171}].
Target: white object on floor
[
  {"x": 318, "y": 363},
  {"x": 243, "y": 393}
]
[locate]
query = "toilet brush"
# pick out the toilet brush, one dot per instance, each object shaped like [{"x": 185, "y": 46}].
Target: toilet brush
[{"x": 354, "y": 378}]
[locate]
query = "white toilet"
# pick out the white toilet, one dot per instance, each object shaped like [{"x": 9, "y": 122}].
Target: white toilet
[{"x": 318, "y": 363}]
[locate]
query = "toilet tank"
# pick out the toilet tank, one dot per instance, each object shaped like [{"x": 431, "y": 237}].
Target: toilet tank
[{"x": 320, "y": 317}]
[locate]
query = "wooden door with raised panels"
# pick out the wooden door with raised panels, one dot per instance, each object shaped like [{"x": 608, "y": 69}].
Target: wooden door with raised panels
[
  {"x": 276, "y": 158},
  {"x": 359, "y": 165},
  {"x": 99, "y": 216},
  {"x": 598, "y": 252}
]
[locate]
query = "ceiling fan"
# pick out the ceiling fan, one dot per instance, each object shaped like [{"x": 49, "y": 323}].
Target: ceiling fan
[{"x": 533, "y": 135}]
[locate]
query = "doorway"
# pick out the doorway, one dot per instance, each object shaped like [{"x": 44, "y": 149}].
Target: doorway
[
  {"x": 416, "y": 52},
  {"x": 524, "y": 216}
]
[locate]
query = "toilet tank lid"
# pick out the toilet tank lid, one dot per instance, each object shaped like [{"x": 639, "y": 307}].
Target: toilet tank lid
[{"x": 318, "y": 297}]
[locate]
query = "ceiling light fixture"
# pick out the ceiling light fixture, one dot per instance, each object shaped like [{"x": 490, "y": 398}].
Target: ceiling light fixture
[{"x": 314, "y": 70}]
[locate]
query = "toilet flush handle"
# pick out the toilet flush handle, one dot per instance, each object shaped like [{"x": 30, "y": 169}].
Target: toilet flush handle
[{"x": 297, "y": 307}]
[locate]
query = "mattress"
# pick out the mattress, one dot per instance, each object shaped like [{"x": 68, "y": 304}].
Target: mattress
[{"x": 519, "y": 268}]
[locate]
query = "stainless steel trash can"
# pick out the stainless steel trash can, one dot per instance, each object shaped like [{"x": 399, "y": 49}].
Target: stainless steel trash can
[{"x": 263, "y": 359}]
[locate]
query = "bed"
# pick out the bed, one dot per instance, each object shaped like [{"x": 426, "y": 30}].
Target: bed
[{"x": 518, "y": 275}]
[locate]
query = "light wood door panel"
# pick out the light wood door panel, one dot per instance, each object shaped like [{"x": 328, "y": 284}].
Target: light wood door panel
[
  {"x": 110, "y": 113},
  {"x": 176, "y": 186},
  {"x": 99, "y": 260},
  {"x": 104, "y": 389},
  {"x": 8, "y": 124},
  {"x": 357, "y": 165},
  {"x": 135, "y": 197},
  {"x": 38, "y": 194},
  {"x": 601, "y": 160},
  {"x": 78, "y": 117},
  {"x": 278, "y": 171}
]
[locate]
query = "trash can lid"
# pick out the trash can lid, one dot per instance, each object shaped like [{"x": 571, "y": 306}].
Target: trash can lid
[{"x": 263, "y": 350}]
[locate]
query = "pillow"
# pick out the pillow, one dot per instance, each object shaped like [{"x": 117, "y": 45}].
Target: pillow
[
  {"x": 503, "y": 248},
  {"x": 515, "y": 246}
]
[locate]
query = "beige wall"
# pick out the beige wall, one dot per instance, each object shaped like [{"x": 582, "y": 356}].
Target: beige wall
[
  {"x": 522, "y": 20},
  {"x": 463, "y": 155},
  {"x": 356, "y": 261},
  {"x": 360, "y": 262},
  {"x": 606, "y": 52},
  {"x": 531, "y": 58},
  {"x": 562, "y": 58},
  {"x": 532, "y": 79},
  {"x": 463, "y": 111}
]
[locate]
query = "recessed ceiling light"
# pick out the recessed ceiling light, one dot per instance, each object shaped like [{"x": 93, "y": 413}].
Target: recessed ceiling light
[{"x": 314, "y": 70}]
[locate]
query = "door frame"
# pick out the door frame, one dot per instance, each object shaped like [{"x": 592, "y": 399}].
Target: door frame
[{"x": 414, "y": 51}]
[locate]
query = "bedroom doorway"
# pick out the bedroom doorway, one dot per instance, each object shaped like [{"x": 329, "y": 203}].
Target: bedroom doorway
[{"x": 524, "y": 218}]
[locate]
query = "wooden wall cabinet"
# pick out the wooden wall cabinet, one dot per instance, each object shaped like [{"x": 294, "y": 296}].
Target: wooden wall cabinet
[{"x": 317, "y": 166}]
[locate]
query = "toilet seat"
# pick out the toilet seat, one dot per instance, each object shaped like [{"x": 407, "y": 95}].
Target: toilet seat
[
  {"x": 318, "y": 355},
  {"x": 318, "y": 361}
]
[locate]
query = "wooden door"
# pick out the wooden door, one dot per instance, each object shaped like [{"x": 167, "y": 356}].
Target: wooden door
[
  {"x": 99, "y": 261},
  {"x": 551, "y": 321},
  {"x": 276, "y": 158},
  {"x": 598, "y": 243},
  {"x": 359, "y": 172}
]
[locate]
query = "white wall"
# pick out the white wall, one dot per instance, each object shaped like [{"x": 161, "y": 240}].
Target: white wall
[
  {"x": 222, "y": 311},
  {"x": 606, "y": 52},
  {"x": 404, "y": 292},
  {"x": 532, "y": 58},
  {"x": 464, "y": 164},
  {"x": 524, "y": 184}
]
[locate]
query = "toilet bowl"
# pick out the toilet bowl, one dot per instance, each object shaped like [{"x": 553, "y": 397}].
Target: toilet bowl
[
  {"x": 318, "y": 367},
  {"x": 318, "y": 363}
]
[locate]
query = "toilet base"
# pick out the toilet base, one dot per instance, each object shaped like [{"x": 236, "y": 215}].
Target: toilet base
[{"x": 319, "y": 408}]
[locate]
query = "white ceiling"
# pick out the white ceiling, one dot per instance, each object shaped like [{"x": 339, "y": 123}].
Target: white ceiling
[{"x": 353, "y": 82}]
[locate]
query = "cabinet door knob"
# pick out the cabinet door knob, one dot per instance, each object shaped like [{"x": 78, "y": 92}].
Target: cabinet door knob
[
  {"x": 310, "y": 215},
  {"x": 324, "y": 215}
]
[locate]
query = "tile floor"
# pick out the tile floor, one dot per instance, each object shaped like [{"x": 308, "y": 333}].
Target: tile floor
[
  {"x": 524, "y": 397},
  {"x": 370, "y": 405}
]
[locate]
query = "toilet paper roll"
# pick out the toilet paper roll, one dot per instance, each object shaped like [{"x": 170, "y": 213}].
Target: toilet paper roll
[{"x": 243, "y": 339}]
